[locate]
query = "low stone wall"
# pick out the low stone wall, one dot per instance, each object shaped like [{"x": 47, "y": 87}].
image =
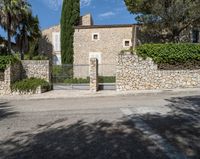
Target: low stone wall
[
  {"x": 25, "y": 69},
  {"x": 134, "y": 73},
  {"x": 38, "y": 69}
]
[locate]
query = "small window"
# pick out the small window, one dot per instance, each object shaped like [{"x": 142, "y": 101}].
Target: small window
[
  {"x": 95, "y": 36},
  {"x": 127, "y": 43}
]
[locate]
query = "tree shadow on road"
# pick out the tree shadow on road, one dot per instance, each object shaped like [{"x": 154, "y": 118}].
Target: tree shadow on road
[
  {"x": 6, "y": 110},
  {"x": 80, "y": 140},
  {"x": 181, "y": 126}
]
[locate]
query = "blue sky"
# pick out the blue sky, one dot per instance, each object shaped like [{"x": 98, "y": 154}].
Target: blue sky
[{"x": 103, "y": 11}]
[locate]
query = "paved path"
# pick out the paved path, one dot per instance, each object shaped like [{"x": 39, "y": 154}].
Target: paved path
[{"x": 123, "y": 127}]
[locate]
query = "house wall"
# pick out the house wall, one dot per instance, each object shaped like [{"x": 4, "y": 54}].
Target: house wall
[
  {"x": 46, "y": 42},
  {"x": 110, "y": 43},
  {"x": 134, "y": 73},
  {"x": 86, "y": 20}
]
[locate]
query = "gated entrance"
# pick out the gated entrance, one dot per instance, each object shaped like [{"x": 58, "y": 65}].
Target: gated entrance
[
  {"x": 71, "y": 77},
  {"x": 77, "y": 77}
]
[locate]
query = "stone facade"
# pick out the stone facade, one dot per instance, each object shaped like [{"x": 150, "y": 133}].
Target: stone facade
[
  {"x": 86, "y": 20},
  {"x": 134, "y": 73},
  {"x": 110, "y": 41},
  {"x": 25, "y": 69}
]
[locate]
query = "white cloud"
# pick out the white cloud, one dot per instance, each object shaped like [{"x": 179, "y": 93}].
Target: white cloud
[
  {"x": 53, "y": 4},
  {"x": 85, "y": 3},
  {"x": 56, "y": 4},
  {"x": 107, "y": 14}
]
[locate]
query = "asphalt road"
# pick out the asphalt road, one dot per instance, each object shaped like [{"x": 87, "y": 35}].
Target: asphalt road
[{"x": 142, "y": 127}]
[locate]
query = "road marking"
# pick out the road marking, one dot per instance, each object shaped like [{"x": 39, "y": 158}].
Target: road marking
[{"x": 160, "y": 142}]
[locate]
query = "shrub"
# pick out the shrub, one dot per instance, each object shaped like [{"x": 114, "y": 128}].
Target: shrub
[
  {"x": 29, "y": 85},
  {"x": 170, "y": 53},
  {"x": 7, "y": 60}
]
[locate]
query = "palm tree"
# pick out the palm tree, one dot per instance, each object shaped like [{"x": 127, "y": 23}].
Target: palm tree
[
  {"x": 11, "y": 12},
  {"x": 28, "y": 32}
]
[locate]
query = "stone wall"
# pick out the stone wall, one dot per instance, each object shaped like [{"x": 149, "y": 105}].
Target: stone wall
[
  {"x": 11, "y": 75},
  {"x": 94, "y": 75},
  {"x": 38, "y": 69},
  {"x": 25, "y": 69},
  {"x": 134, "y": 73}
]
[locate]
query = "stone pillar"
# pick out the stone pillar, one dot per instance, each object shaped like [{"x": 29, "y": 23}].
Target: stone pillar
[{"x": 94, "y": 75}]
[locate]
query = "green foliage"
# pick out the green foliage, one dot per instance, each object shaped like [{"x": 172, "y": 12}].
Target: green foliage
[
  {"x": 69, "y": 18},
  {"x": 170, "y": 53},
  {"x": 7, "y": 60},
  {"x": 106, "y": 79},
  {"x": 166, "y": 19},
  {"x": 29, "y": 85},
  {"x": 76, "y": 80},
  {"x": 11, "y": 13}
]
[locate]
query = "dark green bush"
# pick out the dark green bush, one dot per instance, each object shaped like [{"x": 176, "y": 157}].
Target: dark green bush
[
  {"x": 7, "y": 60},
  {"x": 170, "y": 53},
  {"x": 28, "y": 85},
  {"x": 107, "y": 79}
]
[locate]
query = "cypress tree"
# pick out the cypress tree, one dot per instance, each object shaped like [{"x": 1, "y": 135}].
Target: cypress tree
[{"x": 69, "y": 18}]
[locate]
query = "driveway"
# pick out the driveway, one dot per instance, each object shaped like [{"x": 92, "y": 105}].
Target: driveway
[{"x": 123, "y": 127}]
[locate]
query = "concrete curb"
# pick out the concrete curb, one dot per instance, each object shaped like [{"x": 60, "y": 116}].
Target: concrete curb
[{"x": 65, "y": 94}]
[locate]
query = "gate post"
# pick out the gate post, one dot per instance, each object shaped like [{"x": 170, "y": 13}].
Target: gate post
[{"x": 94, "y": 86}]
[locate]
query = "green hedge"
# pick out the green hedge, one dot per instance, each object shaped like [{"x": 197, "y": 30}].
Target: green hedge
[
  {"x": 76, "y": 80},
  {"x": 170, "y": 53},
  {"x": 101, "y": 79},
  {"x": 7, "y": 60},
  {"x": 106, "y": 79},
  {"x": 28, "y": 85}
]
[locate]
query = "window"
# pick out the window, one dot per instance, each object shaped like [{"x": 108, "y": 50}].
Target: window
[
  {"x": 96, "y": 55},
  {"x": 127, "y": 43},
  {"x": 56, "y": 41},
  {"x": 195, "y": 36},
  {"x": 95, "y": 36}
]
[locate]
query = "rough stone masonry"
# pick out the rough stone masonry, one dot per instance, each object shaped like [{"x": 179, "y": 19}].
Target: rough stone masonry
[{"x": 135, "y": 73}]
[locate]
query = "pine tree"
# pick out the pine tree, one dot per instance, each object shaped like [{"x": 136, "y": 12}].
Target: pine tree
[{"x": 69, "y": 18}]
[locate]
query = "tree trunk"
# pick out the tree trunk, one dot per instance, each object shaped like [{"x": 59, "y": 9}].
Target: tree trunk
[{"x": 9, "y": 33}]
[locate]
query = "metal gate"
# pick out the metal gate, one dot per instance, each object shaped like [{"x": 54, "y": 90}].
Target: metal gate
[
  {"x": 76, "y": 77},
  {"x": 107, "y": 76},
  {"x": 71, "y": 77}
]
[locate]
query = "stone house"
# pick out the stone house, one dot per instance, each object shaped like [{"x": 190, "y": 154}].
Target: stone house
[
  {"x": 103, "y": 42},
  {"x": 100, "y": 41}
]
